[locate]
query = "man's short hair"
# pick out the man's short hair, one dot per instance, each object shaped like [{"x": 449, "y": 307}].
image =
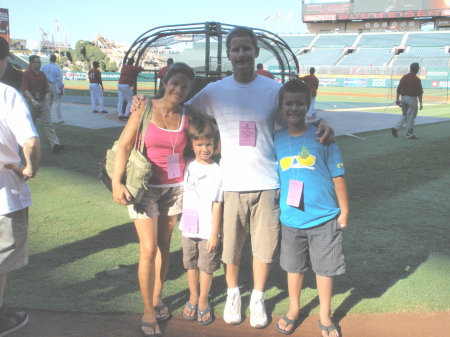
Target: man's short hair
[
  {"x": 33, "y": 57},
  {"x": 201, "y": 129},
  {"x": 294, "y": 86},
  {"x": 239, "y": 32},
  {"x": 414, "y": 67},
  {"x": 96, "y": 64},
  {"x": 53, "y": 58},
  {"x": 259, "y": 66},
  {"x": 312, "y": 70},
  {"x": 4, "y": 48},
  {"x": 130, "y": 61},
  {"x": 169, "y": 61}
]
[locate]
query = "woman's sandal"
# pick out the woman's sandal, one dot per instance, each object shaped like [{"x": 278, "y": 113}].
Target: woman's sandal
[
  {"x": 329, "y": 328},
  {"x": 193, "y": 309},
  {"x": 288, "y": 322},
  {"x": 153, "y": 326},
  {"x": 202, "y": 313},
  {"x": 158, "y": 310}
]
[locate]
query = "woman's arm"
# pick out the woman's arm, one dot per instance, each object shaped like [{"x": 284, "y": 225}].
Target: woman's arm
[
  {"x": 120, "y": 192},
  {"x": 341, "y": 194}
]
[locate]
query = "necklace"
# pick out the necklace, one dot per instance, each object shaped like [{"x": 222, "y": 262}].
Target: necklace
[{"x": 167, "y": 126}]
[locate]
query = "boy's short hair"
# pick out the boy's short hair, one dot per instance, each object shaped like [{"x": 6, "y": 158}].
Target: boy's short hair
[
  {"x": 201, "y": 128},
  {"x": 295, "y": 85},
  {"x": 240, "y": 31}
]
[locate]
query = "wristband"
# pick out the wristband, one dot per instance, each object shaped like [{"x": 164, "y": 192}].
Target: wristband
[{"x": 33, "y": 100}]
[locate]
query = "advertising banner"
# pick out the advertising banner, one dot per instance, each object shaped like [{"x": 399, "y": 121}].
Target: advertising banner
[
  {"x": 82, "y": 76},
  {"x": 355, "y": 82},
  {"x": 4, "y": 24}
]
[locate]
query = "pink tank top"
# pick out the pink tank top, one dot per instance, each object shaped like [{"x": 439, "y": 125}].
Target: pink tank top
[{"x": 159, "y": 144}]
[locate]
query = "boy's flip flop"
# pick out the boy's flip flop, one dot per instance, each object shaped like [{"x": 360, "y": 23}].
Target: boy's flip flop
[
  {"x": 193, "y": 309},
  {"x": 202, "y": 313},
  {"x": 288, "y": 322},
  {"x": 329, "y": 328},
  {"x": 158, "y": 310}
]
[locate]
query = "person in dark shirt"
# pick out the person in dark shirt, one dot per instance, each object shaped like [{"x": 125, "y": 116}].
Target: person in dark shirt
[{"x": 410, "y": 90}]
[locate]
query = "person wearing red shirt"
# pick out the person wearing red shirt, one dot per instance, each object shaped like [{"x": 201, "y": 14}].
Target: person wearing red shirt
[
  {"x": 410, "y": 88},
  {"x": 34, "y": 88},
  {"x": 96, "y": 88},
  {"x": 313, "y": 83},
  {"x": 260, "y": 71},
  {"x": 163, "y": 71},
  {"x": 128, "y": 76}
]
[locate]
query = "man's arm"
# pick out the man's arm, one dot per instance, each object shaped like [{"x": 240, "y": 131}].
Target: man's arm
[
  {"x": 324, "y": 127},
  {"x": 32, "y": 154},
  {"x": 342, "y": 197},
  {"x": 420, "y": 102}
]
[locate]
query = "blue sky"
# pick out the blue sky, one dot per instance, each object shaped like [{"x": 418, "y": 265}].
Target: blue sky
[{"x": 123, "y": 21}]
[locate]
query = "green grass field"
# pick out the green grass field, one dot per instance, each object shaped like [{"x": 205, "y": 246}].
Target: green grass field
[{"x": 84, "y": 250}]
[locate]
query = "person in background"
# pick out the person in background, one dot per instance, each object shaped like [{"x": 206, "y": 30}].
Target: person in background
[
  {"x": 260, "y": 71},
  {"x": 313, "y": 83},
  {"x": 163, "y": 71},
  {"x": 128, "y": 76},
  {"x": 34, "y": 88},
  {"x": 16, "y": 129},
  {"x": 56, "y": 85},
  {"x": 13, "y": 73},
  {"x": 96, "y": 88},
  {"x": 410, "y": 89}
]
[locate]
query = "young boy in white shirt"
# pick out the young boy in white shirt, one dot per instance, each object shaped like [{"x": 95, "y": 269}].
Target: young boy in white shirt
[{"x": 200, "y": 223}]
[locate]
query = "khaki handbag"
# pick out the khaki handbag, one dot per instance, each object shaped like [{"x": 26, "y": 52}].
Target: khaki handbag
[{"x": 139, "y": 169}]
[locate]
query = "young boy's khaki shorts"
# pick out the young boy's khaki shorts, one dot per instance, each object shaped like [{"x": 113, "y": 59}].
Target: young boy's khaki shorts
[
  {"x": 254, "y": 212},
  {"x": 156, "y": 201},
  {"x": 195, "y": 255}
]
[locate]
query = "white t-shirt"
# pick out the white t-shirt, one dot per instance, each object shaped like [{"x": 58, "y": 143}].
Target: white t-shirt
[
  {"x": 244, "y": 168},
  {"x": 16, "y": 127},
  {"x": 202, "y": 187}
]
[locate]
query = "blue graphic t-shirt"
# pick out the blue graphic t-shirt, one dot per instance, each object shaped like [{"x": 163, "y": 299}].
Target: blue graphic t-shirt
[{"x": 305, "y": 159}]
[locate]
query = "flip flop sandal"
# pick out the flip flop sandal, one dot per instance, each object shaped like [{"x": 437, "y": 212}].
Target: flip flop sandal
[
  {"x": 192, "y": 308},
  {"x": 150, "y": 325},
  {"x": 288, "y": 322},
  {"x": 327, "y": 329},
  {"x": 202, "y": 313},
  {"x": 160, "y": 308}
]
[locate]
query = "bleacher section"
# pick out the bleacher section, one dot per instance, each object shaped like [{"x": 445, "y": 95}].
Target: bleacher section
[
  {"x": 298, "y": 41},
  {"x": 368, "y": 56},
  {"x": 321, "y": 57},
  {"x": 430, "y": 39},
  {"x": 425, "y": 56},
  {"x": 376, "y": 40},
  {"x": 335, "y": 40}
]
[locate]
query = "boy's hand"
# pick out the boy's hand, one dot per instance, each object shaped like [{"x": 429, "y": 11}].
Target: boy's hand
[
  {"x": 212, "y": 243},
  {"x": 328, "y": 132},
  {"x": 342, "y": 221},
  {"x": 136, "y": 102}
]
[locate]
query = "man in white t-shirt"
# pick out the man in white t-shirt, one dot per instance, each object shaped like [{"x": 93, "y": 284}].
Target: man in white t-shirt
[
  {"x": 16, "y": 128},
  {"x": 245, "y": 108}
]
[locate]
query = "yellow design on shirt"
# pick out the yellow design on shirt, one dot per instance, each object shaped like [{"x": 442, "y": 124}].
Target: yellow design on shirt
[{"x": 304, "y": 160}]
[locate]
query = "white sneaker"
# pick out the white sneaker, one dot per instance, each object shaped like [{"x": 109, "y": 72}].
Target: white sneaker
[
  {"x": 232, "y": 311},
  {"x": 258, "y": 316}
]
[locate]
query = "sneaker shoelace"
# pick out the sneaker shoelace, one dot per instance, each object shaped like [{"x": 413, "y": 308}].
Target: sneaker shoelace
[
  {"x": 234, "y": 302},
  {"x": 258, "y": 308}
]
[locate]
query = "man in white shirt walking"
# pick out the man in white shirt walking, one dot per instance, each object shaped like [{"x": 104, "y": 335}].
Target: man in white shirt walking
[{"x": 56, "y": 85}]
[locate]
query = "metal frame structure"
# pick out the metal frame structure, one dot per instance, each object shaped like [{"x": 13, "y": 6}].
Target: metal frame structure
[{"x": 216, "y": 32}]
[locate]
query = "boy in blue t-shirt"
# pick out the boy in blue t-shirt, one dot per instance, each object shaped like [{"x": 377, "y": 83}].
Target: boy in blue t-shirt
[{"x": 313, "y": 204}]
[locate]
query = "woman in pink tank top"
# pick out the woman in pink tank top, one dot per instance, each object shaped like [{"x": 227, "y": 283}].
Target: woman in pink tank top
[{"x": 157, "y": 213}]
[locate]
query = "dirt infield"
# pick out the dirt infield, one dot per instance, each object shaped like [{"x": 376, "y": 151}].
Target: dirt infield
[{"x": 51, "y": 324}]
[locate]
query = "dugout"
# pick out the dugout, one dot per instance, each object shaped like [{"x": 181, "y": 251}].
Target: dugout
[{"x": 202, "y": 46}]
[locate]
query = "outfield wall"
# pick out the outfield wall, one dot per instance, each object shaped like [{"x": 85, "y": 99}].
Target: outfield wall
[{"x": 82, "y": 76}]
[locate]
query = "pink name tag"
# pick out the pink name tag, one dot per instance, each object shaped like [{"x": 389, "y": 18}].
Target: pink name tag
[
  {"x": 190, "y": 221},
  {"x": 294, "y": 193},
  {"x": 173, "y": 166},
  {"x": 247, "y": 133}
]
